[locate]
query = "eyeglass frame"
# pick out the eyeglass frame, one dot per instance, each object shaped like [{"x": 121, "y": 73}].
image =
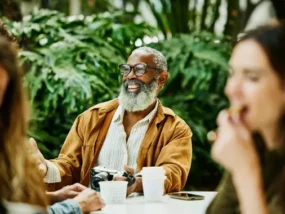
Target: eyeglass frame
[{"x": 132, "y": 68}]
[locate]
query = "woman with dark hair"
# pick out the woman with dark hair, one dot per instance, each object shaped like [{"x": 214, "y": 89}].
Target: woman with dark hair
[{"x": 251, "y": 142}]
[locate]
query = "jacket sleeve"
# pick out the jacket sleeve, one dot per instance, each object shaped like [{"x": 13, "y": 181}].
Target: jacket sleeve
[
  {"x": 176, "y": 157},
  {"x": 69, "y": 160},
  {"x": 65, "y": 207},
  {"x": 226, "y": 201}
]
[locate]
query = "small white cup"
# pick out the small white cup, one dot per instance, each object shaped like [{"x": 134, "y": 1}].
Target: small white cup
[
  {"x": 113, "y": 192},
  {"x": 153, "y": 188},
  {"x": 153, "y": 183},
  {"x": 153, "y": 171}
]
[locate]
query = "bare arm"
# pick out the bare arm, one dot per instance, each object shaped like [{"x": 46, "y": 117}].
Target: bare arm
[
  {"x": 234, "y": 149},
  {"x": 250, "y": 192}
]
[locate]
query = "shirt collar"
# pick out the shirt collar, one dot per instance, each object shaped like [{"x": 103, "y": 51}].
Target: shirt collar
[{"x": 119, "y": 114}]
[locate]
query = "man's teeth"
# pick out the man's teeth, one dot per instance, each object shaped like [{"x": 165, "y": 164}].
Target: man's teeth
[{"x": 133, "y": 86}]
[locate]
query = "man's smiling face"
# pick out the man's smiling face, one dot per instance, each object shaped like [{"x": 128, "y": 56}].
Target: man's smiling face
[{"x": 139, "y": 92}]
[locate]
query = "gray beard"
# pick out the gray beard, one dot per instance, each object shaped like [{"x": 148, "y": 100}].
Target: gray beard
[{"x": 133, "y": 102}]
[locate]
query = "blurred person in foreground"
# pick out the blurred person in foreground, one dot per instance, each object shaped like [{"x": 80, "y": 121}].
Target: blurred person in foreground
[
  {"x": 22, "y": 187},
  {"x": 127, "y": 133},
  {"x": 250, "y": 141}
]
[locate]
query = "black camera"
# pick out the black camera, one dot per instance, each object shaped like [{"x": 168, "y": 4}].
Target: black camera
[{"x": 98, "y": 174}]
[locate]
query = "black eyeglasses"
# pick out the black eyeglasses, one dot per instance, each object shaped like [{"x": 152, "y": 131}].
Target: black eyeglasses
[{"x": 139, "y": 69}]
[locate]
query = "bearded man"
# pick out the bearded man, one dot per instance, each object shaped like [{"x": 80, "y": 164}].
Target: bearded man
[{"x": 127, "y": 133}]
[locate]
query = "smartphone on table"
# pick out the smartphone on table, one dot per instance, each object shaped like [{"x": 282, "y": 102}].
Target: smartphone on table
[{"x": 186, "y": 196}]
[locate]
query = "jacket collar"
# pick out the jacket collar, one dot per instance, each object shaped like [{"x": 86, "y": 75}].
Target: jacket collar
[
  {"x": 113, "y": 104},
  {"x": 106, "y": 106}
]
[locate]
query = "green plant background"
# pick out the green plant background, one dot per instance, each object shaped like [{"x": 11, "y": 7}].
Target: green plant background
[
  {"x": 198, "y": 70},
  {"x": 71, "y": 64}
]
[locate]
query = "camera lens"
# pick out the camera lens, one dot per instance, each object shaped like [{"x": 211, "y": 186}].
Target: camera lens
[{"x": 102, "y": 176}]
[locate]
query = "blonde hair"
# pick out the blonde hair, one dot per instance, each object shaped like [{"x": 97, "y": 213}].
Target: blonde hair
[{"x": 19, "y": 175}]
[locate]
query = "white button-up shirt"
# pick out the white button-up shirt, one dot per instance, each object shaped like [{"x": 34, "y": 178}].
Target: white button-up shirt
[{"x": 117, "y": 151}]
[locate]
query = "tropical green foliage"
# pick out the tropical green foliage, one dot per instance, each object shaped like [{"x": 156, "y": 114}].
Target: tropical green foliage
[
  {"x": 71, "y": 64},
  {"x": 198, "y": 66}
]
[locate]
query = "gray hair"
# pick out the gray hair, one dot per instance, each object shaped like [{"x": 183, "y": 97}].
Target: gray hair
[{"x": 158, "y": 58}]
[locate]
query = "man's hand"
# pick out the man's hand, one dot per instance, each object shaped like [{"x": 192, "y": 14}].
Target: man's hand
[
  {"x": 135, "y": 187},
  {"x": 129, "y": 170},
  {"x": 89, "y": 200},
  {"x": 38, "y": 156},
  {"x": 66, "y": 192}
]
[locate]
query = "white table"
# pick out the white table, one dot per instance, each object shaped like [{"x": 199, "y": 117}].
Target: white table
[{"x": 138, "y": 205}]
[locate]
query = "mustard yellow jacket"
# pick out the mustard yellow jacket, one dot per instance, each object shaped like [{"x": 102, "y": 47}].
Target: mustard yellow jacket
[{"x": 167, "y": 143}]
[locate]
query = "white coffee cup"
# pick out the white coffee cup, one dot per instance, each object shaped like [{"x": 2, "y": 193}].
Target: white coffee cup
[
  {"x": 153, "y": 183},
  {"x": 113, "y": 192},
  {"x": 153, "y": 171}
]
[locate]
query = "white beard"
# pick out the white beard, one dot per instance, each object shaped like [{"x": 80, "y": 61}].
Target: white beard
[{"x": 133, "y": 102}]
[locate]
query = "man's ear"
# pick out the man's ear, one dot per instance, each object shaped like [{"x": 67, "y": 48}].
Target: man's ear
[{"x": 163, "y": 76}]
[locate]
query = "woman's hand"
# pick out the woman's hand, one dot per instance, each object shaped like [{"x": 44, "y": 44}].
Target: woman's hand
[
  {"x": 66, "y": 192},
  {"x": 235, "y": 150},
  {"x": 234, "y": 147},
  {"x": 89, "y": 200}
]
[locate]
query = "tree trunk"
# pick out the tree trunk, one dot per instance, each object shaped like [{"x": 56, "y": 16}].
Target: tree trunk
[
  {"x": 279, "y": 7},
  {"x": 178, "y": 19},
  {"x": 233, "y": 19},
  {"x": 204, "y": 15},
  {"x": 136, "y": 5},
  {"x": 74, "y": 7},
  {"x": 216, "y": 15},
  {"x": 45, "y": 3},
  {"x": 192, "y": 17},
  {"x": 159, "y": 18},
  {"x": 11, "y": 10}
]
